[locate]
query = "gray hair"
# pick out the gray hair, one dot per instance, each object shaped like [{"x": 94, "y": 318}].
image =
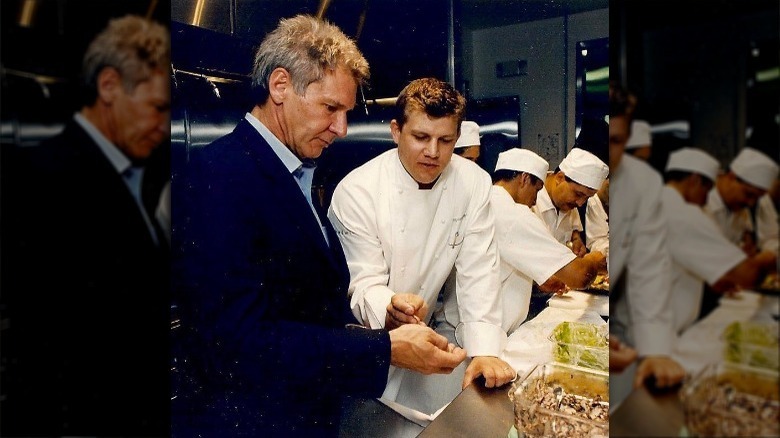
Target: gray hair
[
  {"x": 135, "y": 46},
  {"x": 305, "y": 46}
]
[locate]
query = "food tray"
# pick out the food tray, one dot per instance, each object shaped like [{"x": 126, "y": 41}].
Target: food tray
[
  {"x": 581, "y": 344},
  {"x": 584, "y": 408},
  {"x": 751, "y": 343},
  {"x": 726, "y": 399}
]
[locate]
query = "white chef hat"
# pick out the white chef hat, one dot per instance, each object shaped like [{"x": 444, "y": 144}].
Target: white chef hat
[
  {"x": 584, "y": 168},
  {"x": 640, "y": 135},
  {"x": 523, "y": 160},
  {"x": 693, "y": 160},
  {"x": 469, "y": 135},
  {"x": 755, "y": 168}
]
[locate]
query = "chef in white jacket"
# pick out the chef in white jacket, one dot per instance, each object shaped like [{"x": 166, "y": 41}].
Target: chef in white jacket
[
  {"x": 407, "y": 217},
  {"x": 700, "y": 252},
  {"x": 767, "y": 223},
  {"x": 639, "y": 261},
  {"x": 751, "y": 173},
  {"x": 597, "y": 220},
  {"x": 577, "y": 178},
  {"x": 527, "y": 250}
]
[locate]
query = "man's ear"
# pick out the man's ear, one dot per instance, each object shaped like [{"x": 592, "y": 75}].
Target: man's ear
[
  {"x": 279, "y": 85},
  {"x": 109, "y": 84},
  {"x": 395, "y": 130}
]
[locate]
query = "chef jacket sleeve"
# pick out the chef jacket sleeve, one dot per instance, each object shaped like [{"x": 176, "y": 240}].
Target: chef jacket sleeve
[
  {"x": 354, "y": 218},
  {"x": 477, "y": 279}
]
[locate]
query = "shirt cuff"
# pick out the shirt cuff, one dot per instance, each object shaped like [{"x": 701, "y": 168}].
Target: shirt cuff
[
  {"x": 376, "y": 301},
  {"x": 481, "y": 338}
]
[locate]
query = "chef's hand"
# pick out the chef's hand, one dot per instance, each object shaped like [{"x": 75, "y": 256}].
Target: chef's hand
[
  {"x": 597, "y": 261},
  {"x": 664, "y": 371},
  {"x": 576, "y": 245},
  {"x": 620, "y": 355},
  {"x": 554, "y": 285},
  {"x": 405, "y": 309},
  {"x": 420, "y": 349},
  {"x": 495, "y": 371}
]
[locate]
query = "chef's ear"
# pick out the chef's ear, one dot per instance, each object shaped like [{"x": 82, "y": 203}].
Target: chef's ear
[
  {"x": 279, "y": 85},
  {"x": 395, "y": 130}
]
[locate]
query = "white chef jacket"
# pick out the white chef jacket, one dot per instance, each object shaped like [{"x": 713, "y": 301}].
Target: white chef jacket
[
  {"x": 733, "y": 224},
  {"x": 400, "y": 239},
  {"x": 767, "y": 224},
  {"x": 638, "y": 249},
  {"x": 596, "y": 226},
  {"x": 561, "y": 224},
  {"x": 700, "y": 253},
  {"x": 528, "y": 253}
]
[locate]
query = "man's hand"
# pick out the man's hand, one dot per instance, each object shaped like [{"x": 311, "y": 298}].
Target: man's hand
[
  {"x": 405, "y": 309},
  {"x": 496, "y": 371},
  {"x": 420, "y": 349},
  {"x": 665, "y": 371},
  {"x": 620, "y": 355},
  {"x": 597, "y": 261},
  {"x": 576, "y": 244},
  {"x": 554, "y": 285}
]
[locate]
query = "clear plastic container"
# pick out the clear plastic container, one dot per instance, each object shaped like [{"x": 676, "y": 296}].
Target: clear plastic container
[
  {"x": 581, "y": 344},
  {"x": 726, "y": 399},
  {"x": 752, "y": 343},
  {"x": 584, "y": 402}
]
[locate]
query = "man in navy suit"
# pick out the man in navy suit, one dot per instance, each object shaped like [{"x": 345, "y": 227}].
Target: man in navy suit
[
  {"x": 85, "y": 274},
  {"x": 268, "y": 344}
]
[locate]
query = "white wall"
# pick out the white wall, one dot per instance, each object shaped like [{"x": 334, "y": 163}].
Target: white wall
[{"x": 547, "y": 93}]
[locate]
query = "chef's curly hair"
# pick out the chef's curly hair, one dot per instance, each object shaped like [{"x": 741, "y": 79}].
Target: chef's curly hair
[
  {"x": 306, "y": 47},
  {"x": 133, "y": 45},
  {"x": 434, "y": 97}
]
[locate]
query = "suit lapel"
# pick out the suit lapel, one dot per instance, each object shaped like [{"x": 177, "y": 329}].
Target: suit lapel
[{"x": 287, "y": 194}]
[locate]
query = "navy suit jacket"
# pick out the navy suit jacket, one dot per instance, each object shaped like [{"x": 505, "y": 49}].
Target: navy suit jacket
[
  {"x": 86, "y": 295},
  {"x": 263, "y": 349}
]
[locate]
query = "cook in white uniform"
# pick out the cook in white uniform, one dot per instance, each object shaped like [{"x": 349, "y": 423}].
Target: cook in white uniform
[
  {"x": 639, "y": 261},
  {"x": 597, "y": 221},
  {"x": 751, "y": 174},
  {"x": 468, "y": 145},
  {"x": 410, "y": 215},
  {"x": 527, "y": 250},
  {"x": 640, "y": 143},
  {"x": 577, "y": 178},
  {"x": 700, "y": 251},
  {"x": 767, "y": 220}
]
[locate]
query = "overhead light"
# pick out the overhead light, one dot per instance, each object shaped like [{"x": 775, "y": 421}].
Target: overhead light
[
  {"x": 200, "y": 5},
  {"x": 27, "y": 13},
  {"x": 598, "y": 74},
  {"x": 770, "y": 74}
]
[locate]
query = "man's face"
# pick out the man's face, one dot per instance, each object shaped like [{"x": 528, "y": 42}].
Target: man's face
[
  {"x": 141, "y": 119},
  {"x": 527, "y": 190},
  {"x": 313, "y": 121},
  {"x": 425, "y": 144},
  {"x": 700, "y": 188},
  {"x": 568, "y": 195},
  {"x": 747, "y": 194},
  {"x": 470, "y": 153},
  {"x": 619, "y": 131}
]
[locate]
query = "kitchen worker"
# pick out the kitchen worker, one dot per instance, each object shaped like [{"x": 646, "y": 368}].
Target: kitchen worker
[
  {"x": 751, "y": 173},
  {"x": 528, "y": 252},
  {"x": 597, "y": 220},
  {"x": 406, "y": 218},
  {"x": 639, "y": 261},
  {"x": 468, "y": 144},
  {"x": 640, "y": 144},
  {"x": 767, "y": 223},
  {"x": 578, "y": 177},
  {"x": 700, "y": 252}
]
